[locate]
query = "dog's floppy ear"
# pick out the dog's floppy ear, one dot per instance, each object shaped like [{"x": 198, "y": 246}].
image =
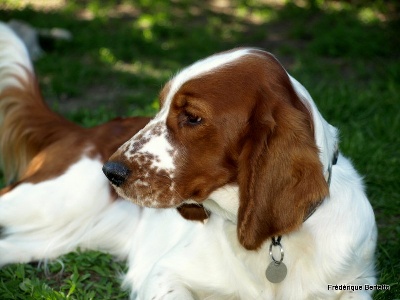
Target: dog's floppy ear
[{"x": 280, "y": 175}]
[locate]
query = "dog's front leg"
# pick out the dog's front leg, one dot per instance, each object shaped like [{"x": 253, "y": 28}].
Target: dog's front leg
[{"x": 163, "y": 286}]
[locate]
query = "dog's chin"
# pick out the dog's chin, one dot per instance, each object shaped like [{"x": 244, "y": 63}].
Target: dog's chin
[{"x": 148, "y": 199}]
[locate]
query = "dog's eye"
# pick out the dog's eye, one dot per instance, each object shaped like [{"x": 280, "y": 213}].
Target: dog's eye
[
  {"x": 189, "y": 119},
  {"x": 193, "y": 119}
]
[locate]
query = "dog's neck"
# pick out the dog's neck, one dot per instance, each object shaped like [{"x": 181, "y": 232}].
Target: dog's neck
[{"x": 224, "y": 202}]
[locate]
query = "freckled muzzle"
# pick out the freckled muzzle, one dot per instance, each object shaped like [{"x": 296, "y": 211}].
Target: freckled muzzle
[{"x": 142, "y": 169}]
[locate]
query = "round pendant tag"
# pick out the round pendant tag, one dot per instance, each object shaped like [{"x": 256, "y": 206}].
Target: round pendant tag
[{"x": 276, "y": 273}]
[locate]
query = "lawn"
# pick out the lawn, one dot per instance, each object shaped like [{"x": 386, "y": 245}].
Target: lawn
[{"x": 122, "y": 52}]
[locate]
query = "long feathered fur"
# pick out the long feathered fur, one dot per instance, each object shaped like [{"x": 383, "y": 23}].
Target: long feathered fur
[
  {"x": 24, "y": 116},
  {"x": 30, "y": 131}
]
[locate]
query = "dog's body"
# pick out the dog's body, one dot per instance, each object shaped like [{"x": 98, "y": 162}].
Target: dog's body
[
  {"x": 61, "y": 201},
  {"x": 207, "y": 261}
]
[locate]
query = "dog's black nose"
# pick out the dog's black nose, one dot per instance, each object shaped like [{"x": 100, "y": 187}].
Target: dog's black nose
[{"x": 116, "y": 172}]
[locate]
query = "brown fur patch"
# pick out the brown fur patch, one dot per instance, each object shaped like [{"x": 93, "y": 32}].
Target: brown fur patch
[{"x": 37, "y": 144}]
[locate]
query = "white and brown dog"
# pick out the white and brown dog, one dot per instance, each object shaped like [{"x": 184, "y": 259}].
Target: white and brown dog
[{"x": 238, "y": 145}]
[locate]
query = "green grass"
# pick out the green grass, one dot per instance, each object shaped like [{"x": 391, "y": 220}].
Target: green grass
[
  {"x": 89, "y": 275},
  {"x": 348, "y": 57}
]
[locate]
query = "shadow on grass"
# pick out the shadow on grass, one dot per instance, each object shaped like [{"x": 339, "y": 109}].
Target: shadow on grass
[{"x": 123, "y": 51}]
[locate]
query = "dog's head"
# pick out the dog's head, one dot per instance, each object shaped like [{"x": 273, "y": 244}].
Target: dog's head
[{"x": 235, "y": 118}]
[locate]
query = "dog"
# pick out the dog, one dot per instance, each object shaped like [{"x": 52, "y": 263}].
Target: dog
[
  {"x": 236, "y": 187},
  {"x": 240, "y": 144}
]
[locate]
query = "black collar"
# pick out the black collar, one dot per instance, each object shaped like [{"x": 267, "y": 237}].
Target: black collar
[{"x": 313, "y": 208}]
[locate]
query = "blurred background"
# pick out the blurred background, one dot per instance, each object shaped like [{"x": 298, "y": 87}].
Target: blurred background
[{"x": 99, "y": 59}]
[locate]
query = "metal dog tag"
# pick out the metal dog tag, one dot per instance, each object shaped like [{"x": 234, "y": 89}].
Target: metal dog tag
[{"x": 276, "y": 272}]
